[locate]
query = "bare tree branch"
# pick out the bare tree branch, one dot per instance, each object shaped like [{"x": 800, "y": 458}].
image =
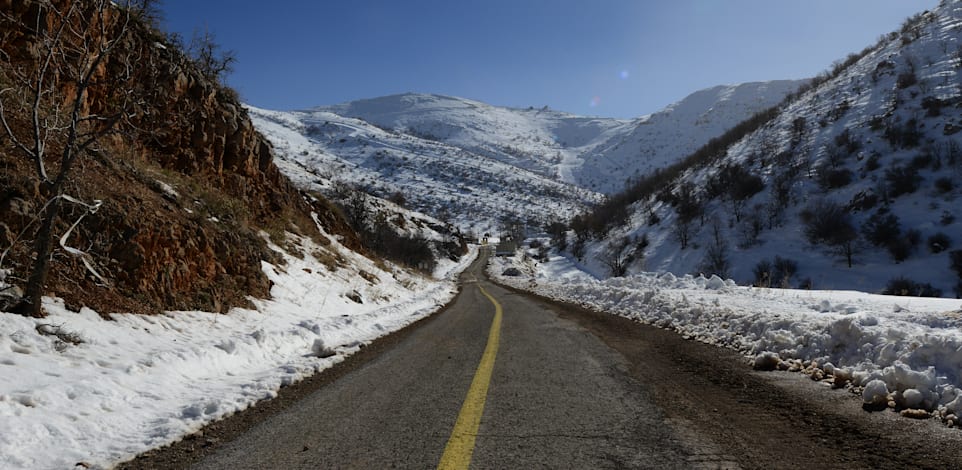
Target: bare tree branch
[
  {"x": 75, "y": 58},
  {"x": 6, "y": 126}
]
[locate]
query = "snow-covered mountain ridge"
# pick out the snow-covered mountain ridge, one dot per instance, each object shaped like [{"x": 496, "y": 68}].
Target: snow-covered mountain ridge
[
  {"x": 862, "y": 167},
  {"x": 481, "y": 166},
  {"x": 541, "y": 140},
  {"x": 321, "y": 150},
  {"x": 592, "y": 152}
]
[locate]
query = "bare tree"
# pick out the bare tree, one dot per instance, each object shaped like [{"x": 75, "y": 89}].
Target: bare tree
[
  {"x": 356, "y": 210},
  {"x": 689, "y": 206},
  {"x": 618, "y": 256},
  {"x": 148, "y": 11},
  {"x": 716, "y": 259},
  {"x": 830, "y": 223},
  {"x": 76, "y": 43},
  {"x": 559, "y": 235},
  {"x": 213, "y": 62},
  {"x": 683, "y": 231}
]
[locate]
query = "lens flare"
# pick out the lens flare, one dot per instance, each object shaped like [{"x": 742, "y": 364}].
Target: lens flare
[
  {"x": 595, "y": 101},
  {"x": 623, "y": 75}
]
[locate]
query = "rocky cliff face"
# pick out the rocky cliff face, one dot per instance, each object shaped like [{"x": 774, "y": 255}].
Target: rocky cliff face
[{"x": 187, "y": 183}]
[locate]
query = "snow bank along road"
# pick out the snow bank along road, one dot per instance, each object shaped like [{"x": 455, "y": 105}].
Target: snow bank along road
[{"x": 568, "y": 388}]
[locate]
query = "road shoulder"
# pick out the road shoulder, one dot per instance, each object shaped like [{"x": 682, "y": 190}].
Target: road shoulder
[
  {"x": 729, "y": 416},
  {"x": 195, "y": 447}
]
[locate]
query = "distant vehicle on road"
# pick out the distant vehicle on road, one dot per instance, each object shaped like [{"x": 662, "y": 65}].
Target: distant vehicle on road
[{"x": 506, "y": 247}]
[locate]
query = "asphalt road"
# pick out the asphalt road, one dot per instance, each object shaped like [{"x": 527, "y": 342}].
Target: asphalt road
[{"x": 568, "y": 389}]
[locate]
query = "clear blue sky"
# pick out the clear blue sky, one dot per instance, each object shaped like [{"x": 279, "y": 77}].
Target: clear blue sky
[{"x": 619, "y": 58}]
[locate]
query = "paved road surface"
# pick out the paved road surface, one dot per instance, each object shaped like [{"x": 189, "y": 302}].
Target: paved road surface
[{"x": 568, "y": 389}]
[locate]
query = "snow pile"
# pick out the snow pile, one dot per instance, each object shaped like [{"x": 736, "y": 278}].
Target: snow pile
[
  {"x": 8, "y": 292},
  {"x": 78, "y": 388},
  {"x": 903, "y": 352}
]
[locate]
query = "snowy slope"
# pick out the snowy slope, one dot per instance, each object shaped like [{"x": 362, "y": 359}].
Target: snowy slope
[
  {"x": 542, "y": 140},
  {"x": 320, "y": 150},
  {"x": 882, "y": 135},
  {"x": 673, "y": 133}
]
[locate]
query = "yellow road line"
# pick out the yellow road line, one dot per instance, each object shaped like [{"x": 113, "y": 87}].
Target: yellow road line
[{"x": 457, "y": 453}]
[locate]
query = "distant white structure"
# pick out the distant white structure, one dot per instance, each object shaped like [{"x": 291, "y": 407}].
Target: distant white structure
[{"x": 506, "y": 247}]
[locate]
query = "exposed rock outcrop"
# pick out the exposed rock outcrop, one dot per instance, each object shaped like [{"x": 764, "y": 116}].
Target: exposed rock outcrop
[{"x": 186, "y": 184}]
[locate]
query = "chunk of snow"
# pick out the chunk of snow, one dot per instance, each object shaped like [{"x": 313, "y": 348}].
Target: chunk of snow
[
  {"x": 912, "y": 398},
  {"x": 227, "y": 345},
  {"x": 954, "y": 406},
  {"x": 715, "y": 283},
  {"x": 824, "y": 307},
  {"x": 875, "y": 393},
  {"x": 321, "y": 350}
]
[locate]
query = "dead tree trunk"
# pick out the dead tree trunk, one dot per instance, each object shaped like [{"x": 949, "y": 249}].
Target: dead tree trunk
[{"x": 31, "y": 303}]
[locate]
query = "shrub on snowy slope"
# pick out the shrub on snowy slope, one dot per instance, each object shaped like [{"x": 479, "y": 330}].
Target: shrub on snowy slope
[
  {"x": 909, "y": 288},
  {"x": 396, "y": 234}
]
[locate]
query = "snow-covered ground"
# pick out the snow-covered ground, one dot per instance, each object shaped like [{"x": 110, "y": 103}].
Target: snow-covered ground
[
  {"x": 139, "y": 382},
  {"x": 904, "y": 350}
]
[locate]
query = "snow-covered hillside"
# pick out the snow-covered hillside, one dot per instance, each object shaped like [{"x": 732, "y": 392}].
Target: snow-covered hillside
[
  {"x": 477, "y": 165},
  {"x": 542, "y": 140},
  {"x": 862, "y": 168},
  {"x": 319, "y": 150},
  {"x": 673, "y": 133},
  {"x": 591, "y": 152}
]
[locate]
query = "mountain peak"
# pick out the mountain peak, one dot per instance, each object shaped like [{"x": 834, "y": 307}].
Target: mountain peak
[{"x": 403, "y": 103}]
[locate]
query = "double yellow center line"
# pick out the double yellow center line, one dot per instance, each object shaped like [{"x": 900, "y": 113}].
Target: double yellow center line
[{"x": 457, "y": 453}]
